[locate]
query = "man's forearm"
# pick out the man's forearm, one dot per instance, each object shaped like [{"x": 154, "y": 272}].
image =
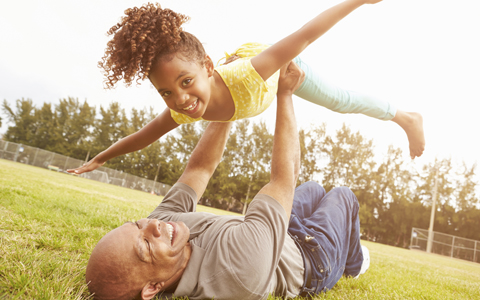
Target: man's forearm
[
  {"x": 209, "y": 150},
  {"x": 285, "y": 146},
  {"x": 284, "y": 155},
  {"x": 206, "y": 156}
]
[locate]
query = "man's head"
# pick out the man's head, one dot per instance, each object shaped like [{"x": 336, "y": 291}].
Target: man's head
[{"x": 138, "y": 259}]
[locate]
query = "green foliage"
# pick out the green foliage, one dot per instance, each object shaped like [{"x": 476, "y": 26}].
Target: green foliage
[
  {"x": 311, "y": 151},
  {"x": 23, "y": 119}
]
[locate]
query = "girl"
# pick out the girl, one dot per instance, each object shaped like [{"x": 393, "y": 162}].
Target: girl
[{"x": 149, "y": 43}]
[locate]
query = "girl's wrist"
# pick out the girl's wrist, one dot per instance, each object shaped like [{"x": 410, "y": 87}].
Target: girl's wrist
[
  {"x": 100, "y": 158},
  {"x": 360, "y": 2}
]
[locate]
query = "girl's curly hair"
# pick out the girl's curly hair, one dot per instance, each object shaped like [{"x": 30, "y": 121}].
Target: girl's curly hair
[{"x": 143, "y": 36}]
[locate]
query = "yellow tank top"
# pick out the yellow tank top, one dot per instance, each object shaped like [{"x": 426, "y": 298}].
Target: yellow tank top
[{"x": 251, "y": 94}]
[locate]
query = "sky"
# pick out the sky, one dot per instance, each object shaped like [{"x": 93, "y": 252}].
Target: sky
[{"x": 420, "y": 55}]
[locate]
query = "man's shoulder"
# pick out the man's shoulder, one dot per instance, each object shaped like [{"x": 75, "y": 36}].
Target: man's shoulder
[
  {"x": 264, "y": 203},
  {"x": 181, "y": 198}
]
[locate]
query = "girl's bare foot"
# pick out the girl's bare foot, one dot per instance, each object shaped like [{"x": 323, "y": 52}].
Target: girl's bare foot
[{"x": 412, "y": 123}]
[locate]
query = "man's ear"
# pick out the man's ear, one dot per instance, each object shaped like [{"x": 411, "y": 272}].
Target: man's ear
[
  {"x": 151, "y": 289},
  {"x": 209, "y": 65}
]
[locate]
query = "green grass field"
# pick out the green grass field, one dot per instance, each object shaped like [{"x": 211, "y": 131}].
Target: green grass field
[{"x": 50, "y": 222}]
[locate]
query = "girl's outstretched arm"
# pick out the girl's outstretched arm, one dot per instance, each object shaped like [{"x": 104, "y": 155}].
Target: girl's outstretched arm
[
  {"x": 273, "y": 58},
  {"x": 154, "y": 130}
]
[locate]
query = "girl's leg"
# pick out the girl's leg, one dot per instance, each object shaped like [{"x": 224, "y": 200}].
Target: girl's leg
[{"x": 321, "y": 92}]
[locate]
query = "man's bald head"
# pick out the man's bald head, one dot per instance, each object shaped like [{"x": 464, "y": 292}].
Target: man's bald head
[
  {"x": 111, "y": 269},
  {"x": 138, "y": 259}
]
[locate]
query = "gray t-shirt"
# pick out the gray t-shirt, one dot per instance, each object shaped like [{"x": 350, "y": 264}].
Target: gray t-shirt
[{"x": 235, "y": 257}]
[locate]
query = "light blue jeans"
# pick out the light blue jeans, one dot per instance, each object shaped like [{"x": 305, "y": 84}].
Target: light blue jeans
[{"x": 320, "y": 92}]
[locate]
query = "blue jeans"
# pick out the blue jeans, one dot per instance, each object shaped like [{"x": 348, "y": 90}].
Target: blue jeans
[
  {"x": 326, "y": 227},
  {"x": 321, "y": 92}
]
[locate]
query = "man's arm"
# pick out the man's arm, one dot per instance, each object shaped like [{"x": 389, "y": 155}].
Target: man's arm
[
  {"x": 286, "y": 147},
  {"x": 206, "y": 157}
]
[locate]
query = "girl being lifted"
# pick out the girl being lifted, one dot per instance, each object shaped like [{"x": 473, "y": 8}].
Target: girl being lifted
[{"x": 150, "y": 43}]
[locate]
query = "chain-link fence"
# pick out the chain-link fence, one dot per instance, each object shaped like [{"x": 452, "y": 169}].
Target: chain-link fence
[
  {"x": 446, "y": 244},
  {"x": 57, "y": 162}
]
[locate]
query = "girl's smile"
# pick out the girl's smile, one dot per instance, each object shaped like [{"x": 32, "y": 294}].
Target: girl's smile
[{"x": 183, "y": 84}]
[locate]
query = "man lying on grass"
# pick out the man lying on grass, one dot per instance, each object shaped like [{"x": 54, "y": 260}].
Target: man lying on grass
[{"x": 291, "y": 241}]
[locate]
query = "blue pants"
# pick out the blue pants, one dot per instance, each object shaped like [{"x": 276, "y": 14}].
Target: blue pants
[
  {"x": 320, "y": 92},
  {"x": 326, "y": 227}
]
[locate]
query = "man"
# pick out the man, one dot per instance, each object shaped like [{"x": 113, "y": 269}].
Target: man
[{"x": 203, "y": 256}]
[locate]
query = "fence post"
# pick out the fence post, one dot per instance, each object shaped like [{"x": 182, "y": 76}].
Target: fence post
[
  {"x": 16, "y": 152},
  {"x": 475, "y": 251},
  {"x": 411, "y": 238},
  {"x": 453, "y": 243},
  {"x": 65, "y": 165},
  {"x": 35, "y": 157}
]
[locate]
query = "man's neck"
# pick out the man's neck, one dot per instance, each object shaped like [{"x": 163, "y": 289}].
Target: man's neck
[{"x": 172, "y": 283}]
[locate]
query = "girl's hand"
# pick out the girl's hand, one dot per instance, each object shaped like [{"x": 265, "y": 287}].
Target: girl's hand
[
  {"x": 88, "y": 167},
  {"x": 372, "y": 1}
]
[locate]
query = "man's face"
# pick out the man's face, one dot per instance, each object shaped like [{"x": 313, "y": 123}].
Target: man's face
[
  {"x": 138, "y": 253},
  {"x": 157, "y": 244}
]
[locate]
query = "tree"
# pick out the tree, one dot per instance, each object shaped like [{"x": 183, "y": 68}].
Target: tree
[
  {"x": 445, "y": 193},
  {"x": 397, "y": 195},
  {"x": 23, "y": 119},
  {"x": 109, "y": 128},
  {"x": 350, "y": 157},
  {"x": 75, "y": 121},
  {"x": 466, "y": 197},
  {"x": 143, "y": 163},
  {"x": 467, "y": 221},
  {"x": 311, "y": 144},
  {"x": 48, "y": 134}
]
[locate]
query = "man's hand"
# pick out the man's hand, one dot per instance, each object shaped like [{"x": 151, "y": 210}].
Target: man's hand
[{"x": 291, "y": 77}]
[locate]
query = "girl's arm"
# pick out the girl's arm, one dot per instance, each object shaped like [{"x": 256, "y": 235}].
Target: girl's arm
[
  {"x": 273, "y": 58},
  {"x": 159, "y": 126}
]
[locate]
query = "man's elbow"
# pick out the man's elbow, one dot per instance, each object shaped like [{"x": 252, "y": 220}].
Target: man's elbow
[
  {"x": 202, "y": 168},
  {"x": 296, "y": 170},
  {"x": 296, "y": 166}
]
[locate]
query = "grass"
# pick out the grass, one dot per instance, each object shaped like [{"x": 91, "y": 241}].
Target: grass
[{"x": 50, "y": 222}]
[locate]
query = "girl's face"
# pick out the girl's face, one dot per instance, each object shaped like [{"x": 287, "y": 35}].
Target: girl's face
[{"x": 183, "y": 84}]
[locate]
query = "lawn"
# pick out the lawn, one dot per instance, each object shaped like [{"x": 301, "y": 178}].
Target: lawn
[{"x": 50, "y": 222}]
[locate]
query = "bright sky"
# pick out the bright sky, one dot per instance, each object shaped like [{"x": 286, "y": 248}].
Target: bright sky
[{"x": 419, "y": 55}]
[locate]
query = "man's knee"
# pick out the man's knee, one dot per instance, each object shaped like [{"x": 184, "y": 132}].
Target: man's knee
[
  {"x": 313, "y": 187},
  {"x": 345, "y": 194}
]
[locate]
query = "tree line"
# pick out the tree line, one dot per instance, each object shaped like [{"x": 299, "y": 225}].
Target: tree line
[{"x": 393, "y": 196}]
